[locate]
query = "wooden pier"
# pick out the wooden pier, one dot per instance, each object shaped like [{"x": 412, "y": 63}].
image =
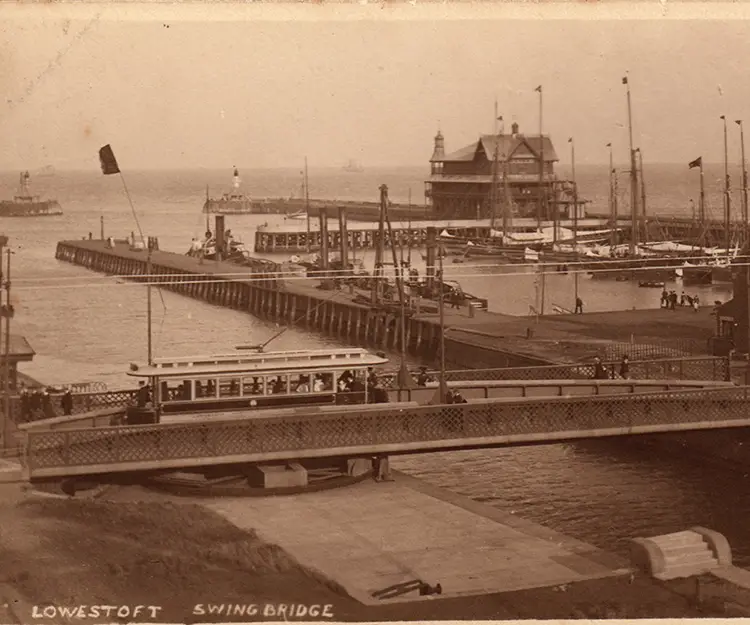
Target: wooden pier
[
  {"x": 293, "y": 238},
  {"x": 267, "y": 290}
]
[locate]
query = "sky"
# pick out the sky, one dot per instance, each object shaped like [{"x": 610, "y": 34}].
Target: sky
[{"x": 171, "y": 90}]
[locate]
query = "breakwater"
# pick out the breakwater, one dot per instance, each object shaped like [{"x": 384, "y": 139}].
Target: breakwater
[{"x": 265, "y": 289}]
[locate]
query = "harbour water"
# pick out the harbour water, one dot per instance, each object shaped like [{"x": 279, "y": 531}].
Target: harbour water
[{"x": 87, "y": 327}]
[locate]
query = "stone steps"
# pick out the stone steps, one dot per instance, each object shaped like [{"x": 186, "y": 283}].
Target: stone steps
[{"x": 681, "y": 554}]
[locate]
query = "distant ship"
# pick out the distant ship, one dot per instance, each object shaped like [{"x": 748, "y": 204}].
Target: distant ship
[
  {"x": 353, "y": 167},
  {"x": 45, "y": 172},
  {"x": 26, "y": 205}
]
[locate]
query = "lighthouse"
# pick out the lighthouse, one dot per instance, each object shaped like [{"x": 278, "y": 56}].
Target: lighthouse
[{"x": 236, "y": 183}]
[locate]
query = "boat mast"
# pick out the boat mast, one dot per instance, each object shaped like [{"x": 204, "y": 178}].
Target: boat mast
[
  {"x": 633, "y": 178},
  {"x": 541, "y": 164},
  {"x": 727, "y": 207},
  {"x": 208, "y": 207},
  {"x": 744, "y": 186},
  {"x": 643, "y": 195},
  {"x": 612, "y": 200},
  {"x": 506, "y": 193},
  {"x": 575, "y": 214},
  {"x": 307, "y": 207}
]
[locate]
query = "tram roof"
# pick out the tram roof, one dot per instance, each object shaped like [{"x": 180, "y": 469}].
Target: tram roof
[{"x": 256, "y": 363}]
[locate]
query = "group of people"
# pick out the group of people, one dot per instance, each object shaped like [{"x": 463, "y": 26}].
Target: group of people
[
  {"x": 669, "y": 300},
  {"x": 602, "y": 372},
  {"x": 37, "y": 403}
]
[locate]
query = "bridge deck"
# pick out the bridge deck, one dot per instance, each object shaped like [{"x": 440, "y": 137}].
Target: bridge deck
[{"x": 386, "y": 430}]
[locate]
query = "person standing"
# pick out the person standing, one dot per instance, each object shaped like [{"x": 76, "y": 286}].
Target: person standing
[
  {"x": 579, "y": 306},
  {"x": 625, "y": 367},
  {"x": 66, "y": 403},
  {"x": 599, "y": 372}
]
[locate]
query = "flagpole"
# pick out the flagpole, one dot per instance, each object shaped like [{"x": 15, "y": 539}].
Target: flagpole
[{"x": 443, "y": 386}]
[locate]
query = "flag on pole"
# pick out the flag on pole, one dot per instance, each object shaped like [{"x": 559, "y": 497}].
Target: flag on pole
[
  {"x": 609, "y": 145},
  {"x": 625, "y": 80},
  {"x": 500, "y": 118},
  {"x": 539, "y": 89},
  {"x": 108, "y": 161},
  {"x": 698, "y": 162}
]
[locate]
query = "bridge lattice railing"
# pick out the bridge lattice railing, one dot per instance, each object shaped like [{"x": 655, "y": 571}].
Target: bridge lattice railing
[
  {"x": 82, "y": 402},
  {"x": 386, "y": 430},
  {"x": 697, "y": 368}
]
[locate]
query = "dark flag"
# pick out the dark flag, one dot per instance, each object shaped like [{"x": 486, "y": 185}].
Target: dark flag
[
  {"x": 698, "y": 162},
  {"x": 625, "y": 80},
  {"x": 108, "y": 161},
  {"x": 539, "y": 89}
]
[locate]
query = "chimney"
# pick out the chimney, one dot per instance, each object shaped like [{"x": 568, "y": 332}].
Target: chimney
[{"x": 514, "y": 129}]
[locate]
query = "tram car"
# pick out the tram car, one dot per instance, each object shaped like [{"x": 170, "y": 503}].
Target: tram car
[{"x": 260, "y": 380}]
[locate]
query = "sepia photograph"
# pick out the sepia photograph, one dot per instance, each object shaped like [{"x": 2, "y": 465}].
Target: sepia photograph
[{"x": 373, "y": 312}]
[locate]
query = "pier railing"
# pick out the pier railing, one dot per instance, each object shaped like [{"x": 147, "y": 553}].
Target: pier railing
[
  {"x": 709, "y": 368},
  {"x": 390, "y": 430}
]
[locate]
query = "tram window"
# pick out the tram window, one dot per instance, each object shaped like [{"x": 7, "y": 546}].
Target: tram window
[
  {"x": 172, "y": 391},
  {"x": 300, "y": 383},
  {"x": 252, "y": 386},
  {"x": 229, "y": 387},
  {"x": 278, "y": 384},
  {"x": 322, "y": 382},
  {"x": 210, "y": 389}
]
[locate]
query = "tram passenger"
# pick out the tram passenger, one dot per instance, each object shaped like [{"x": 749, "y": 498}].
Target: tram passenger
[
  {"x": 318, "y": 385},
  {"x": 303, "y": 386},
  {"x": 210, "y": 389},
  {"x": 344, "y": 382},
  {"x": 256, "y": 389},
  {"x": 422, "y": 377},
  {"x": 279, "y": 387},
  {"x": 198, "y": 389}
]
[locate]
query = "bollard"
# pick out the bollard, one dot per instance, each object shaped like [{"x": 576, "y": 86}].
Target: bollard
[{"x": 471, "y": 311}]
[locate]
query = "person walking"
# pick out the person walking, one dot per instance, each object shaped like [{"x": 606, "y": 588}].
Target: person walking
[{"x": 579, "y": 306}]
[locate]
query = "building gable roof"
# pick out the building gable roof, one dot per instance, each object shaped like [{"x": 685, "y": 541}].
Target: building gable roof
[{"x": 513, "y": 145}]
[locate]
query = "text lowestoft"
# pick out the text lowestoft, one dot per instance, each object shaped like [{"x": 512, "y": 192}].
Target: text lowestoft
[
  {"x": 270, "y": 610},
  {"x": 95, "y": 611}
]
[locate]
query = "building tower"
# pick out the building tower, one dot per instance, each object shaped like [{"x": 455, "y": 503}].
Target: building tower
[{"x": 438, "y": 154}]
